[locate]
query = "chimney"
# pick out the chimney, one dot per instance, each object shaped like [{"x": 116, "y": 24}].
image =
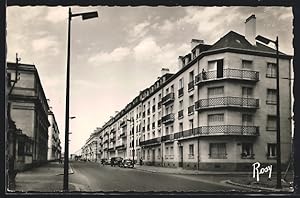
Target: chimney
[
  {"x": 195, "y": 42},
  {"x": 180, "y": 62},
  {"x": 250, "y": 29},
  {"x": 164, "y": 71}
]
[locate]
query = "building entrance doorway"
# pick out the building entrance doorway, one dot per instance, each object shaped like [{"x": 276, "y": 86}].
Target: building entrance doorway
[
  {"x": 153, "y": 157},
  {"x": 180, "y": 156}
]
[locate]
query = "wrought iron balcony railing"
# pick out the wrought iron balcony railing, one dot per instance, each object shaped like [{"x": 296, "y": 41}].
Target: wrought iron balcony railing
[
  {"x": 121, "y": 146},
  {"x": 191, "y": 110},
  {"x": 168, "y": 118},
  {"x": 180, "y": 92},
  {"x": 228, "y": 74},
  {"x": 191, "y": 85},
  {"x": 168, "y": 98},
  {"x": 229, "y": 101},
  {"x": 123, "y": 134},
  {"x": 180, "y": 114},
  {"x": 220, "y": 130},
  {"x": 151, "y": 141}
]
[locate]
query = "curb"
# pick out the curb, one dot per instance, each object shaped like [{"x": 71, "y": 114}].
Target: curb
[
  {"x": 256, "y": 187},
  {"x": 70, "y": 171}
]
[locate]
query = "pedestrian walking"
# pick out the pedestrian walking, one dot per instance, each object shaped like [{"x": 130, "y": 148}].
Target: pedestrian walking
[{"x": 141, "y": 161}]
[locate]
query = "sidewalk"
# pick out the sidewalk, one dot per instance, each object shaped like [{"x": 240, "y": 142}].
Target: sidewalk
[
  {"x": 234, "y": 178},
  {"x": 46, "y": 178}
]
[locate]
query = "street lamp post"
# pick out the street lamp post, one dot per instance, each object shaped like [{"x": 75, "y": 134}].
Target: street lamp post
[
  {"x": 86, "y": 15},
  {"x": 278, "y": 149},
  {"x": 133, "y": 151}
]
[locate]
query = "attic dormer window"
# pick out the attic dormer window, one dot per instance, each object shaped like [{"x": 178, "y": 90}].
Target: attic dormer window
[{"x": 238, "y": 41}]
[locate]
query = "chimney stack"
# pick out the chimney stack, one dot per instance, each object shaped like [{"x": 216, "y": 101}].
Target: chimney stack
[
  {"x": 164, "y": 71},
  {"x": 195, "y": 42},
  {"x": 180, "y": 62},
  {"x": 250, "y": 29}
]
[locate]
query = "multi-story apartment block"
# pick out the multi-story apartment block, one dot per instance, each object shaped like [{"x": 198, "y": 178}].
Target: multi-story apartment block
[
  {"x": 217, "y": 112},
  {"x": 54, "y": 147},
  {"x": 90, "y": 151},
  {"x": 29, "y": 111}
]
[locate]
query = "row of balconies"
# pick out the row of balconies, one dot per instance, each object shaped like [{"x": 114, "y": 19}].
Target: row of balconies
[{"x": 220, "y": 130}]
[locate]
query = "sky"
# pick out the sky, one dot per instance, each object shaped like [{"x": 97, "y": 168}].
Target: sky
[{"x": 120, "y": 53}]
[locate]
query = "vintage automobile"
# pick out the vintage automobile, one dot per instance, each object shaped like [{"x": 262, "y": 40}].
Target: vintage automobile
[
  {"x": 127, "y": 163},
  {"x": 116, "y": 161}
]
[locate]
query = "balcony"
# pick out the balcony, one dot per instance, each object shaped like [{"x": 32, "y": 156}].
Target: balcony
[
  {"x": 159, "y": 104},
  {"x": 123, "y": 134},
  {"x": 121, "y": 147},
  {"x": 168, "y": 98},
  {"x": 113, "y": 139},
  {"x": 169, "y": 137},
  {"x": 191, "y": 110},
  {"x": 111, "y": 149},
  {"x": 180, "y": 114},
  {"x": 123, "y": 124},
  {"x": 168, "y": 118},
  {"x": 153, "y": 141},
  {"x": 180, "y": 92},
  {"x": 158, "y": 123},
  {"x": 191, "y": 85},
  {"x": 234, "y": 102},
  {"x": 236, "y": 74},
  {"x": 219, "y": 130},
  {"x": 113, "y": 130}
]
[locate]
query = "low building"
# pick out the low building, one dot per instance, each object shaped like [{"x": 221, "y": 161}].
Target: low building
[
  {"x": 29, "y": 111},
  {"x": 54, "y": 147}
]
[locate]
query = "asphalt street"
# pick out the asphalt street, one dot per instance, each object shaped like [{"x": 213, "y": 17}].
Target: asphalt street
[{"x": 95, "y": 177}]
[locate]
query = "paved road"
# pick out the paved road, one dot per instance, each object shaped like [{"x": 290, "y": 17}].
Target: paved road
[{"x": 95, "y": 177}]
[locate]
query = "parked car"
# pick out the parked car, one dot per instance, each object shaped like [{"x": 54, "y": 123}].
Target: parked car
[
  {"x": 105, "y": 161},
  {"x": 116, "y": 161},
  {"x": 127, "y": 163}
]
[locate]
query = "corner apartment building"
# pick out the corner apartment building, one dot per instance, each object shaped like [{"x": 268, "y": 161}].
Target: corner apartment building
[
  {"x": 90, "y": 151},
  {"x": 218, "y": 112},
  {"x": 54, "y": 147},
  {"x": 29, "y": 111}
]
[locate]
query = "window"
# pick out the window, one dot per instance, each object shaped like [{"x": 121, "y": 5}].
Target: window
[
  {"x": 191, "y": 76},
  {"x": 217, "y": 150},
  {"x": 167, "y": 152},
  {"x": 215, "y": 91},
  {"x": 191, "y": 100},
  {"x": 181, "y": 104},
  {"x": 171, "y": 129},
  {"x": 167, "y": 130},
  {"x": 180, "y": 127},
  {"x": 191, "y": 123},
  {"x": 172, "y": 89},
  {"x": 158, "y": 153},
  {"x": 212, "y": 65},
  {"x": 271, "y": 123},
  {"x": 247, "y": 92},
  {"x": 171, "y": 152},
  {"x": 247, "y": 120},
  {"x": 247, "y": 150},
  {"x": 271, "y": 96},
  {"x": 272, "y": 151},
  {"x": 167, "y": 91},
  {"x": 21, "y": 147},
  {"x": 148, "y": 154},
  {"x": 271, "y": 70},
  {"x": 180, "y": 83},
  {"x": 246, "y": 64},
  {"x": 191, "y": 151},
  {"x": 215, "y": 118}
]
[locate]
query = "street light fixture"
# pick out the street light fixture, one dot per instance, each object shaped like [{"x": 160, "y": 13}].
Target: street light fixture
[
  {"x": 278, "y": 150},
  {"x": 86, "y": 15}
]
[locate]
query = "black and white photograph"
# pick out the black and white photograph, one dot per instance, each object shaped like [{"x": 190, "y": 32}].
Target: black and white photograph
[{"x": 149, "y": 99}]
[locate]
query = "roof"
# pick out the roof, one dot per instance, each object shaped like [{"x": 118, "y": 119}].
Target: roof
[{"x": 235, "y": 40}]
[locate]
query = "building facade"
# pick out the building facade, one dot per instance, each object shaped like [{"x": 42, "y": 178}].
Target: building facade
[
  {"x": 54, "y": 147},
  {"x": 218, "y": 112},
  {"x": 29, "y": 111}
]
